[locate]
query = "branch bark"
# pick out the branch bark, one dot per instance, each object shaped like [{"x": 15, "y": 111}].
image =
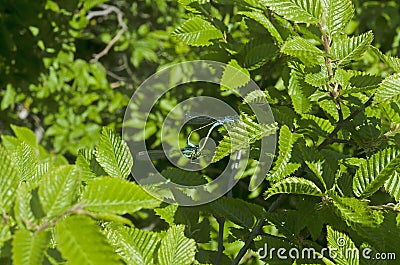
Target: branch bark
[{"x": 108, "y": 9}]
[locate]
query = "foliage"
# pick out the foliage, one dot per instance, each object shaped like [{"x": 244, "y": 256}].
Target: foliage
[
  {"x": 64, "y": 77},
  {"x": 327, "y": 68},
  {"x": 59, "y": 216},
  {"x": 338, "y": 114}
]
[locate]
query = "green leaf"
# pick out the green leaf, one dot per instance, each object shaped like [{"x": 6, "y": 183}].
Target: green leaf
[
  {"x": 109, "y": 195},
  {"x": 167, "y": 213},
  {"x": 300, "y": 101},
  {"x": 301, "y": 11},
  {"x": 241, "y": 136},
  {"x": 176, "y": 248},
  {"x": 8, "y": 181},
  {"x": 83, "y": 162},
  {"x": 393, "y": 62},
  {"x": 22, "y": 209},
  {"x": 316, "y": 168},
  {"x": 303, "y": 49},
  {"x": 345, "y": 49},
  {"x": 318, "y": 79},
  {"x": 257, "y": 97},
  {"x": 183, "y": 177},
  {"x": 282, "y": 167},
  {"x": 89, "y": 4},
  {"x": 113, "y": 155},
  {"x": 80, "y": 242},
  {"x": 337, "y": 14},
  {"x": 234, "y": 76},
  {"x": 257, "y": 53},
  {"x": 342, "y": 77},
  {"x": 197, "y": 32},
  {"x": 58, "y": 188},
  {"x": 88, "y": 165},
  {"x": 389, "y": 90},
  {"x": 10, "y": 143},
  {"x": 329, "y": 108},
  {"x": 5, "y": 234},
  {"x": 294, "y": 185},
  {"x": 26, "y": 159},
  {"x": 25, "y": 135},
  {"x": 265, "y": 22},
  {"x": 392, "y": 185},
  {"x": 352, "y": 210},
  {"x": 391, "y": 112},
  {"x": 344, "y": 246},
  {"x": 192, "y": 6},
  {"x": 362, "y": 82},
  {"x": 135, "y": 246},
  {"x": 238, "y": 211},
  {"x": 108, "y": 217},
  {"x": 29, "y": 248},
  {"x": 9, "y": 97},
  {"x": 375, "y": 171},
  {"x": 322, "y": 124}
]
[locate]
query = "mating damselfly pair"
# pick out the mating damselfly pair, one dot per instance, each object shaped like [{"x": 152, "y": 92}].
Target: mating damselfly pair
[{"x": 192, "y": 151}]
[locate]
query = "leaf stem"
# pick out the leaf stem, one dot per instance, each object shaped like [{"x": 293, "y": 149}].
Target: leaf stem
[
  {"x": 327, "y": 42},
  {"x": 76, "y": 209}
]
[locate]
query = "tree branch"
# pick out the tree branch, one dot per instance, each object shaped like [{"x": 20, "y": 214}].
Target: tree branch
[
  {"x": 76, "y": 209},
  {"x": 107, "y": 9}
]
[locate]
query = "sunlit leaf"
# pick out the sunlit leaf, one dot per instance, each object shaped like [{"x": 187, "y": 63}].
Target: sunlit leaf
[
  {"x": 375, "y": 171},
  {"x": 113, "y": 155},
  {"x": 303, "y": 49},
  {"x": 8, "y": 180},
  {"x": 346, "y": 49},
  {"x": 29, "y": 247},
  {"x": 58, "y": 188},
  {"x": 175, "y": 248},
  {"x": 294, "y": 185},
  {"x": 303, "y": 11},
  {"x": 197, "y": 32},
  {"x": 110, "y": 195},
  {"x": 80, "y": 242},
  {"x": 389, "y": 90},
  {"x": 337, "y": 14}
]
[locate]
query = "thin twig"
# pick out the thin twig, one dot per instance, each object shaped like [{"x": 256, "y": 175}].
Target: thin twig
[
  {"x": 99, "y": 13},
  {"x": 128, "y": 69},
  {"x": 115, "y": 76},
  {"x": 389, "y": 206},
  {"x": 77, "y": 209}
]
